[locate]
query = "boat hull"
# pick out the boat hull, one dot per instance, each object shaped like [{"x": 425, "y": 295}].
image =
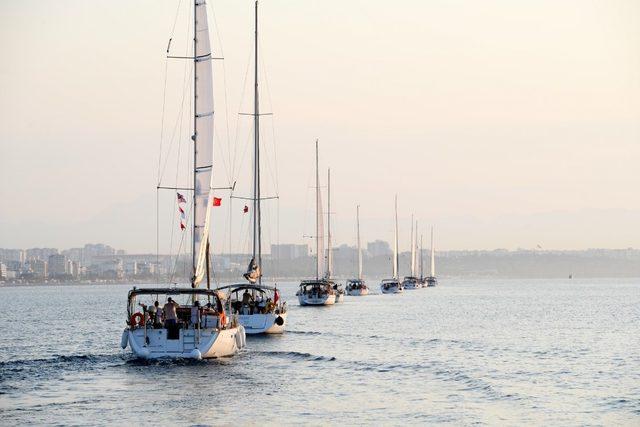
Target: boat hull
[
  {"x": 339, "y": 297},
  {"x": 191, "y": 343},
  {"x": 316, "y": 300},
  {"x": 358, "y": 292},
  {"x": 263, "y": 323},
  {"x": 391, "y": 290}
]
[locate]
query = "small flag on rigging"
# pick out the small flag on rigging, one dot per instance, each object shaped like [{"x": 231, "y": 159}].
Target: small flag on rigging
[
  {"x": 217, "y": 201},
  {"x": 182, "y": 226},
  {"x": 181, "y": 198},
  {"x": 246, "y": 209}
]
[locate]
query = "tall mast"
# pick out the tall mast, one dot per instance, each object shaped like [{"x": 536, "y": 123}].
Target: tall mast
[
  {"x": 413, "y": 250},
  {"x": 257, "y": 243},
  {"x": 329, "y": 256},
  {"x": 421, "y": 260},
  {"x": 395, "y": 242},
  {"x": 359, "y": 248},
  {"x": 195, "y": 134},
  {"x": 433, "y": 256},
  {"x": 317, "y": 216}
]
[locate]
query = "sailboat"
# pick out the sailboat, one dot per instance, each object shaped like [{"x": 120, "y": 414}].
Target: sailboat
[
  {"x": 412, "y": 282},
  {"x": 393, "y": 285},
  {"x": 357, "y": 287},
  {"x": 195, "y": 324},
  {"x": 258, "y": 306},
  {"x": 432, "y": 280},
  {"x": 336, "y": 286},
  {"x": 318, "y": 291}
]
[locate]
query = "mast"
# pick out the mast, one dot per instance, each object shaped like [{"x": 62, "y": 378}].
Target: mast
[
  {"x": 195, "y": 136},
  {"x": 318, "y": 261},
  {"x": 358, "y": 238},
  {"x": 413, "y": 250},
  {"x": 395, "y": 242},
  {"x": 257, "y": 243},
  {"x": 329, "y": 256},
  {"x": 421, "y": 260},
  {"x": 433, "y": 256}
]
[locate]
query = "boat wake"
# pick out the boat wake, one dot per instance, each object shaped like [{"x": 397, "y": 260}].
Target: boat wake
[{"x": 296, "y": 355}]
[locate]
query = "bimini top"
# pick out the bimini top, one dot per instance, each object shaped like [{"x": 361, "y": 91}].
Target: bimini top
[
  {"x": 355, "y": 281},
  {"x": 317, "y": 282},
  {"x": 390, "y": 281},
  {"x": 249, "y": 286},
  {"x": 172, "y": 291}
]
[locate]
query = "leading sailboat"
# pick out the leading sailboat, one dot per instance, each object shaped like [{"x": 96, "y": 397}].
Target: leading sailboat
[
  {"x": 258, "y": 306},
  {"x": 194, "y": 322}
]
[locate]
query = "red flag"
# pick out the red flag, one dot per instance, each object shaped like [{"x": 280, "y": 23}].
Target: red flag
[
  {"x": 181, "y": 210},
  {"x": 246, "y": 209},
  {"x": 181, "y": 198},
  {"x": 182, "y": 226},
  {"x": 276, "y": 296},
  {"x": 217, "y": 201}
]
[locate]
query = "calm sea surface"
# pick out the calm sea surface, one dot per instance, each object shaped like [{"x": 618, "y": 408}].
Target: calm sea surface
[{"x": 466, "y": 352}]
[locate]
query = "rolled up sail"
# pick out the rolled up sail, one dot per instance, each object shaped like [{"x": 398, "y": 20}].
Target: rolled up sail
[{"x": 203, "y": 140}]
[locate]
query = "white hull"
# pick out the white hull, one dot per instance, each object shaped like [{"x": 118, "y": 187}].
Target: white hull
[
  {"x": 191, "y": 344},
  {"x": 412, "y": 286},
  {"x": 329, "y": 299},
  {"x": 263, "y": 323},
  {"x": 392, "y": 290},
  {"x": 358, "y": 292},
  {"x": 340, "y": 297}
]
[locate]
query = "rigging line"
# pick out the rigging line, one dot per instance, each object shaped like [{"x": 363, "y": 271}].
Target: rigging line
[
  {"x": 226, "y": 98},
  {"x": 242, "y": 97},
  {"x": 187, "y": 83},
  {"x": 273, "y": 134}
]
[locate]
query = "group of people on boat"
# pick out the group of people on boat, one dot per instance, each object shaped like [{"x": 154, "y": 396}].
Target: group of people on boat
[
  {"x": 255, "y": 304},
  {"x": 173, "y": 315}
]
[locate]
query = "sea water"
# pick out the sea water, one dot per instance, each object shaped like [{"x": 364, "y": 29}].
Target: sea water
[{"x": 559, "y": 352}]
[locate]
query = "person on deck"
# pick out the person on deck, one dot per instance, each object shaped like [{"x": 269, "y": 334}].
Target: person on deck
[
  {"x": 157, "y": 320},
  {"x": 170, "y": 312},
  {"x": 195, "y": 314}
]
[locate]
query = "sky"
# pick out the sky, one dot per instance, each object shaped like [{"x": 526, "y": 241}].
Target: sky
[{"x": 503, "y": 124}]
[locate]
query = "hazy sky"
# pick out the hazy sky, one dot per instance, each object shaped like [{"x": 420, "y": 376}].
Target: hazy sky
[{"x": 503, "y": 123}]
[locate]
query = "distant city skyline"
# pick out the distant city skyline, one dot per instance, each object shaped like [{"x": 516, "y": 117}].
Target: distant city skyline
[{"x": 503, "y": 124}]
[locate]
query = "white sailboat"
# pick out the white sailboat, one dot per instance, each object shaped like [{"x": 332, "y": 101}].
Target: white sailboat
[
  {"x": 318, "y": 291},
  {"x": 432, "y": 280},
  {"x": 336, "y": 286},
  {"x": 196, "y": 325},
  {"x": 393, "y": 285},
  {"x": 358, "y": 287},
  {"x": 258, "y": 306},
  {"x": 412, "y": 282}
]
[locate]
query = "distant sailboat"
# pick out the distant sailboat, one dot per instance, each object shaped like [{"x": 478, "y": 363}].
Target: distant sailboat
[
  {"x": 412, "y": 282},
  {"x": 393, "y": 285},
  {"x": 432, "y": 280},
  {"x": 258, "y": 306},
  {"x": 336, "y": 287},
  {"x": 357, "y": 287},
  {"x": 189, "y": 328},
  {"x": 319, "y": 291}
]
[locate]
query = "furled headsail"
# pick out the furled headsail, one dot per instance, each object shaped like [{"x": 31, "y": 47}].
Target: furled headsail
[
  {"x": 253, "y": 271},
  {"x": 203, "y": 140}
]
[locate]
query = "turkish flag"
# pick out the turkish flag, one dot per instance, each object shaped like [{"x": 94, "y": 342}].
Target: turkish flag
[
  {"x": 217, "y": 201},
  {"x": 246, "y": 209}
]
